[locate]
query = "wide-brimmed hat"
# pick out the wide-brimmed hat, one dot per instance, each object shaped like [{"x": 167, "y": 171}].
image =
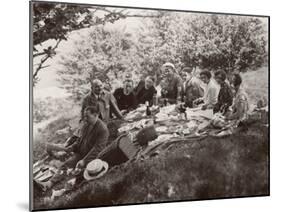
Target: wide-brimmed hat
[{"x": 95, "y": 169}]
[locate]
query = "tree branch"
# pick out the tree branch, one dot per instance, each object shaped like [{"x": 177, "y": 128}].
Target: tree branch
[
  {"x": 110, "y": 16},
  {"x": 45, "y": 66},
  {"x": 48, "y": 54},
  {"x": 121, "y": 14},
  {"x": 38, "y": 54}
]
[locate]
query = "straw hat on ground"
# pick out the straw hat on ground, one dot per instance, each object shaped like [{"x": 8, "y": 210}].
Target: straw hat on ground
[{"x": 95, "y": 169}]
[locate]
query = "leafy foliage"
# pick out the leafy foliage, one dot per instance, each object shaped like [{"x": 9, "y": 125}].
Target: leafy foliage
[
  {"x": 103, "y": 54},
  {"x": 45, "y": 109},
  {"x": 232, "y": 43},
  {"x": 207, "y": 41},
  {"x": 55, "y": 21},
  {"x": 52, "y": 21}
]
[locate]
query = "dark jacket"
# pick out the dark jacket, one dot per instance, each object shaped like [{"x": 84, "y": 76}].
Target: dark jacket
[
  {"x": 143, "y": 94},
  {"x": 190, "y": 91},
  {"x": 93, "y": 139},
  {"x": 172, "y": 88},
  {"x": 125, "y": 102},
  {"x": 225, "y": 98},
  {"x": 106, "y": 102}
]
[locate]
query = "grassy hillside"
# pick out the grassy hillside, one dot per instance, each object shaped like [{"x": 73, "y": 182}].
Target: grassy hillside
[
  {"x": 211, "y": 168},
  {"x": 256, "y": 84}
]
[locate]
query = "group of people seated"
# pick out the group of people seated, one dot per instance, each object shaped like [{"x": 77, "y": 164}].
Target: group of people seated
[{"x": 223, "y": 96}]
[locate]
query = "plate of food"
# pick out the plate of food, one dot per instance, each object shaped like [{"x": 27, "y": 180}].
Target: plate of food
[
  {"x": 161, "y": 129},
  {"x": 133, "y": 115}
]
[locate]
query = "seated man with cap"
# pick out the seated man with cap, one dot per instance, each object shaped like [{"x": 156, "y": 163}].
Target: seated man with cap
[
  {"x": 125, "y": 97},
  {"x": 94, "y": 138},
  {"x": 171, "y": 84},
  {"x": 145, "y": 91},
  {"x": 105, "y": 100},
  {"x": 191, "y": 87}
]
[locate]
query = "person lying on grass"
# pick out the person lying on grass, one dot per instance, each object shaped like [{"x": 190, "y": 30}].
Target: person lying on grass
[{"x": 94, "y": 137}]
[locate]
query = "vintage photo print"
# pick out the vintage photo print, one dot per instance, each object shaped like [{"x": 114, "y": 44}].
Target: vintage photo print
[{"x": 140, "y": 105}]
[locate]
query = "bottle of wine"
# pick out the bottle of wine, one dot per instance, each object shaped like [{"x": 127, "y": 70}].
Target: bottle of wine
[
  {"x": 165, "y": 101},
  {"x": 155, "y": 100},
  {"x": 182, "y": 110},
  {"x": 148, "y": 111}
]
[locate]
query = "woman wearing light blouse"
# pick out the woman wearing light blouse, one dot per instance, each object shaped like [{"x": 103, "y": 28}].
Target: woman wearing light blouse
[{"x": 240, "y": 106}]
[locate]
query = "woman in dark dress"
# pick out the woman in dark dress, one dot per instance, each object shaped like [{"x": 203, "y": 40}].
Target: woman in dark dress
[{"x": 145, "y": 91}]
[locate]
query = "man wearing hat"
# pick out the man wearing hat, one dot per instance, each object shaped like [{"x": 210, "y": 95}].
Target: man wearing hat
[
  {"x": 171, "y": 83},
  {"x": 191, "y": 87},
  {"x": 94, "y": 138},
  {"x": 105, "y": 100}
]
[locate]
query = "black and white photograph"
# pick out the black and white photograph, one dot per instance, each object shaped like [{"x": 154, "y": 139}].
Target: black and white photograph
[{"x": 143, "y": 105}]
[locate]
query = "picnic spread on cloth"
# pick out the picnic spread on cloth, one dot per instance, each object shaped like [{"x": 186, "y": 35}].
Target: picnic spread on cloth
[{"x": 142, "y": 136}]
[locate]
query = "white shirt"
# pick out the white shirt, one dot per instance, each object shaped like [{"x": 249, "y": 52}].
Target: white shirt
[{"x": 211, "y": 93}]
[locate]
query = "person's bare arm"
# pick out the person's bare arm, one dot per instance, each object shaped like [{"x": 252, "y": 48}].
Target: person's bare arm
[
  {"x": 83, "y": 109},
  {"x": 72, "y": 147},
  {"x": 114, "y": 107},
  {"x": 238, "y": 114},
  {"x": 179, "y": 87}
]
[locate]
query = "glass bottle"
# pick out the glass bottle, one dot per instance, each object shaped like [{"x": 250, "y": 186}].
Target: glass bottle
[{"x": 148, "y": 111}]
